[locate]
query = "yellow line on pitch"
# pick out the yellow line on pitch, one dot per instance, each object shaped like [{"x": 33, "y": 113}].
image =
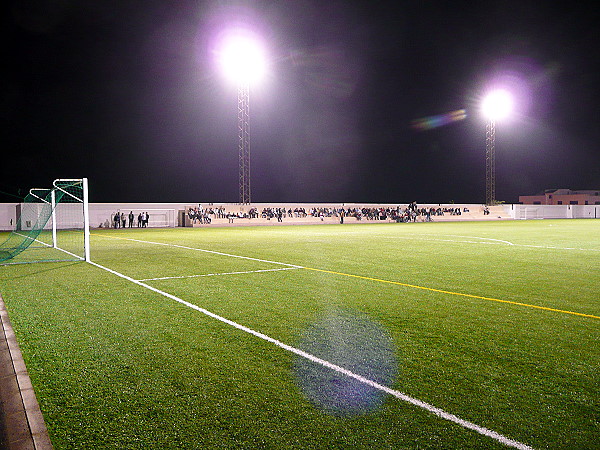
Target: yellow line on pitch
[{"x": 441, "y": 291}]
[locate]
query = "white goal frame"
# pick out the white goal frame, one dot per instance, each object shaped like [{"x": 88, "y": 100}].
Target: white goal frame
[{"x": 86, "y": 214}]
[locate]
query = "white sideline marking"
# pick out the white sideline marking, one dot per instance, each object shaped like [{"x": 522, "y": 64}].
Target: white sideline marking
[
  {"x": 495, "y": 242},
  {"x": 213, "y": 252},
  {"x": 400, "y": 395},
  {"x": 216, "y": 274}
]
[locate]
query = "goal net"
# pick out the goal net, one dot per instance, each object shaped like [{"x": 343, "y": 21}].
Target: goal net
[{"x": 52, "y": 225}]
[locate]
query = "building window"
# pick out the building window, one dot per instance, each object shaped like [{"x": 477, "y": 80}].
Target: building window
[
  {"x": 574, "y": 202},
  {"x": 560, "y": 202},
  {"x": 537, "y": 203}
]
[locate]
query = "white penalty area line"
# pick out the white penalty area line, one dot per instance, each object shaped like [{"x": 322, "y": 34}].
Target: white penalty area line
[
  {"x": 400, "y": 395},
  {"x": 218, "y": 274}
]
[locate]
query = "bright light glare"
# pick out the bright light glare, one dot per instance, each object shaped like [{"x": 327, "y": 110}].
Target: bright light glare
[
  {"x": 497, "y": 104},
  {"x": 242, "y": 58}
]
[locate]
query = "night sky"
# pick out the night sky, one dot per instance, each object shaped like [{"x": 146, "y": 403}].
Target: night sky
[{"x": 128, "y": 94}]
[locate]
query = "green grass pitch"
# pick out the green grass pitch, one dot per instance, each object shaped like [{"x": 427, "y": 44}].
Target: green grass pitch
[{"x": 116, "y": 365}]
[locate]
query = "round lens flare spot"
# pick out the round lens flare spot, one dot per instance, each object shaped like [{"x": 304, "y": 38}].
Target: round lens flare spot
[{"x": 356, "y": 343}]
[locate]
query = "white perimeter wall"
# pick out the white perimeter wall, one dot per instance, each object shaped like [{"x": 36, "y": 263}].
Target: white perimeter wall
[
  {"x": 8, "y": 212},
  {"x": 101, "y": 213},
  {"x": 554, "y": 211}
]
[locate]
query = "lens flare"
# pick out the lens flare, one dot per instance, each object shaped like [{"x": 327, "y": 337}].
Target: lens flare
[
  {"x": 431, "y": 122},
  {"x": 353, "y": 341}
]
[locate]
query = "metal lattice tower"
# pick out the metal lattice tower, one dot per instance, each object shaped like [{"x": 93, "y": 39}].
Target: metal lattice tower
[
  {"x": 244, "y": 142},
  {"x": 490, "y": 163}
]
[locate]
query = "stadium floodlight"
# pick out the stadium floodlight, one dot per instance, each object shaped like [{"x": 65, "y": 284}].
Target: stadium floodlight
[
  {"x": 243, "y": 61},
  {"x": 496, "y": 105},
  {"x": 242, "y": 58}
]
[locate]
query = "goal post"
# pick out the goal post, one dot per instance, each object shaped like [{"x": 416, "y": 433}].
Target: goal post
[
  {"x": 75, "y": 193},
  {"x": 52, "y": 225}
]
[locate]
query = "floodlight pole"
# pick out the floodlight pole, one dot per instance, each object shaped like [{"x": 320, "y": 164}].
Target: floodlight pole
[
  {"x": 490, "y": 163},
  {"x": 244, "y": 141}
]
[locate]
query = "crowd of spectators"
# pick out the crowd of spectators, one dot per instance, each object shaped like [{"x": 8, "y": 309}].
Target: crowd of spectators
[
  {"x": 408, "y": 213},
  {"x": 122, "y": 220},
  {"x": 205, "y": 215},
  {"x": 201, "y": 215}
]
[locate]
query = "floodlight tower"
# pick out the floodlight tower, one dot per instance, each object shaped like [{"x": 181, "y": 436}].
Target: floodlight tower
[
  {"x": 244, "y": 142},
  {"x": 490, "y": 163},
  {"x": 496, "y": 105},
  {"x": 242, "y": 60}
]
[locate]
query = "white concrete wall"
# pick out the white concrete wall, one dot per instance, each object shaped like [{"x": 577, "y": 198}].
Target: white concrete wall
[
  {"x": 8, "y": 212},
  {"x": 586, "y": 211},
  {"x": 555, "y": 211},
  {"x": 161, "y": 213},
  {"x": 101, "y": 213},
  {"x": 166, "y": 214}
]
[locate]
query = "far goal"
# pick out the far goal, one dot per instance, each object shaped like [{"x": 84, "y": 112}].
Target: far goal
[{"x": 52, "y": 225}]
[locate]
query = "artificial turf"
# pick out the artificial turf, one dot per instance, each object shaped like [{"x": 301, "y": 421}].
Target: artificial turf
[{"x": 115, "y": 365}]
